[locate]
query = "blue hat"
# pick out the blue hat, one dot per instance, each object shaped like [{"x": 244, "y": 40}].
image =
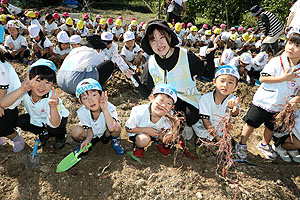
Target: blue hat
[
  {"x": 228, "y": 69},
  {"x": 166, "y": 89},
  {"x": 43, "y": 62},
  {"x": 87, "y": 84}
]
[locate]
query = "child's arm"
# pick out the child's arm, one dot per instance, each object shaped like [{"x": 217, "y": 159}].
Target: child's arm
[
  {"x": 12, "y": 97},
  {"x": 287, "y": 76},
  {"x": 248, "y": 79},
  {"x": 146, "y": 130},
  {"x": 210, "y": 129},
  {"x": 88, "y": 139},
  {"x": 54, "y": 117}
]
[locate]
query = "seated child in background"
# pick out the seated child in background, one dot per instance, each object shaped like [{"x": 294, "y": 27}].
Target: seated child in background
[
  {"x": 214, "y": 105},
  {"x": 46, "y": 115},
  {"x": 96, "y": 22},
  {"x": 65, "y": 15},
  {"x": 111, "y": 47},
  {"x": 87, "y": 22},
  {"x": 13, "y": 10},
  {"x": 42, "y": 47},
  {"x": 257, "y": 65},
  {"x": 75, "y": 41},
  {"x": 9, "y": 82},
  {"x": 110, "y": 23},
  {"x": 118, "y": 31},
  {"x": 102, "y": 26},
  {"x": 31, "y": 16},
  {"x": 133, "y": 27},
  {"x": 68, "y": 27},
  {"x": 225, "y": 59},
  {"x": 81, "y": 30},
  {"x": 192, "y": 38},
  {"x": 98, "y": 117},
  {"x": 57, "y": 19},
  {"x": 232, "y": 42},
  {"x": 131, "y": 52},
  {"x": 205, "y": 39},
  {"x": 51, "y": 26},
  {"x": 242, "y": 63},
  {"x": 146, "y": 122},
  {"x": 180, "y": 33},
  {"x": 16, "y": 44},
  {"x": 62, "y": 49},
  {"x": 40, "y": 19}
]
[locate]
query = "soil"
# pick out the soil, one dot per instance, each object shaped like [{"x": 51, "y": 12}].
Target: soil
[{"x": 101, "y": 174}]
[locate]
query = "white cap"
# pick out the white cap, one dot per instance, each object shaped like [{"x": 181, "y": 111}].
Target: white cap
[
  {"x": 106, "y": 36},
  {"x": 261, "y": 59},
  {"x": 293, "y": 30},
  {"x": 227, "y": 55},
  {"x": 202, "y": 51},
  {"x": 128, "y": 36},
  {"x": 63, "y": 37},
  {"x": 246, "y": 58},
  {"x": 34, "y": 30},
  {"x": 75, "y": 39},
  {"x": 166, "y": 89}
]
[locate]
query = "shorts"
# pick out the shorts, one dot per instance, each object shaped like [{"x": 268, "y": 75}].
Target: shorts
[
  {"x": 132, "y": 138},
  {"x": 8, "y": 122},
  {"x": 103, "y": 139},
  {"x": 256, "y": 116}
]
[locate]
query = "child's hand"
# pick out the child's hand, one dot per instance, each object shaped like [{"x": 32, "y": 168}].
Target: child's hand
[
  {"x": 289, "y": 75},
  {"x": 103, "y": 100},
  {"x": 233, "y": 105},
  {"x": 13, "y": 53},
  {"x": 28, "y": 84},
  {"x": 85, "y": 144},
  {"x": 53, "y": 101},
  {"x": 150, "y": 131},
  {"x": 128, "y": 73}
]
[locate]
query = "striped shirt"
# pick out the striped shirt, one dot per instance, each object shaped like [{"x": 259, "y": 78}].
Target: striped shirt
[{"x": 271, "y": 26}]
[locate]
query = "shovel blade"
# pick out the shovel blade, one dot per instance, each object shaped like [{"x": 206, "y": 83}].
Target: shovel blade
[
  {"x": 32, "y": 162},
  {"x": 67, "y": 162}
]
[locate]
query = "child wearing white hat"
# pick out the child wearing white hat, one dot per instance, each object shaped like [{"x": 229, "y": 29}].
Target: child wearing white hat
[
  {"x": 225, "y": 59},
  {"x": 257, "y": 65},
  {"x": 111, "y": 47},
  {"x": 242, "y": 63},
  {"x": 62, "y": 48},
  {"x": 75, "y": 41}
]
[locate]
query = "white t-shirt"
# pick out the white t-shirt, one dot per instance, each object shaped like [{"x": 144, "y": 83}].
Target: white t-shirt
[
  {"x": 272, "y": 96},
  {"x": 117, "y": 32},
  {"x": 47, "y": 43},
  {"x": 235, "y": 62},
  {"x": 110, "y": 27},
  {"x": 9, "y": 80},
  {"x": 136, "y": 31},
  {"x": 50, "y": 27},
  {"x": 203, "y": 39},
  {"x": 13, "y": 9},
  {"x": 255, "y": 67},
  {"x": 64, "y": 27},
  {"x": 130, "y": 55},
  {"x": 180, "y": 34},
  {"x": 192, "y": 37},
  {"x": 98, "y": 126},
  {"x": 140, "y": 117},
  {"x": 84, "y": 32},
  {"x": 95, "y": 24},
  {"x": 113, "y": 49},
  {"x": 296, "y": 9},
  {"x": 36, "y": 22},
  {"x": 89, "y": 22},
  {"x": 208, "y": 109},
  {"x": 172, "y": 5},
  {"x": 239, "y": 42},
  {"x": 40, "y": 111},
  {"x": 58, "y": 51},
  {"x": 15, "y": 44}
]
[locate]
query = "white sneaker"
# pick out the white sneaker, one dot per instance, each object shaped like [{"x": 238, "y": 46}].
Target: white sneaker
[
  {"x": 295, "y": 155},
  {"x": 2, "y": 141},
  {"x": 267, "y": 150},
  {"x": 282, "y": 153},
  {"x": 187, "y": 132},
  {"x": 241, "y": 150}
]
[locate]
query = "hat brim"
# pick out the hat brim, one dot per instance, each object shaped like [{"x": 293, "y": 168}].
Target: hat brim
[
  {"x": 98, "y": 45},
  {"x": 162, "y": 24},
  {"x": 257, "y": 13}
]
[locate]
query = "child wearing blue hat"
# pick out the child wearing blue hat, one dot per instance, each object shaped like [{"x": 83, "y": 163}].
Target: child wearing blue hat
[
  {"x": 98, "y": 117},
  {"x": 215, "y": 104},
  {"x": 46, "y": 115},
  {"x": 146, "y": 122}
]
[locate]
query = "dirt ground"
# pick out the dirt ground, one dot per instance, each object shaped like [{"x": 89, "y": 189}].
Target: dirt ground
[{"x": 101, "y": 174}]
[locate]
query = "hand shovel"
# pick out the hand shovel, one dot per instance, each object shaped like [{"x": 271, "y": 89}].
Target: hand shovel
[
  {"x": 33, "y": 159},
  {"x": 70, "y": 160}
]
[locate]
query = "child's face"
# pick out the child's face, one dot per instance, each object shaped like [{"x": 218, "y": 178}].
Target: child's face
[
  {"x": 13, "y": 31},
  {"x": 194, "y": 33},
  {"x": 91, "y": 100},
  {"x": 37, "y": 38},
  {"x": 133, "y": 27},
  {"x": 75, "y": 45},
  {"x": 102, "y": 25},
  {"x": 41, "y": 87},
  {"x": 292, "y": 50},
  {"x": 129, "y": 44},
  {"x": 64, "y": 46},
  {"x": 161, "y": 104},
  {"x": 225, "y": 84}
]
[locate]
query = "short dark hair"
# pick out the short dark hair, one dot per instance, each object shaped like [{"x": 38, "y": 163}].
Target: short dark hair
[
  {"x": 294, "y": 38},
  {"x": 43, "y": 72}
]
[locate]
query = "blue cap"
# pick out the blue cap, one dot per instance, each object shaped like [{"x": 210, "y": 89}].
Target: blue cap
[
  {"x": 228, "y": 69},
  {"x": 87, "y": 84},
  {"x": 43, "y": 62},
  {"x": 166, "y": 89}
]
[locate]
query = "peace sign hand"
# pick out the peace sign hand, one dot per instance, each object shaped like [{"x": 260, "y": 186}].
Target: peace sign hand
[
  {"x": 28, "y": 84},
  {"x": 54, "y": 99},
  {"x": 103, "y": 100}
]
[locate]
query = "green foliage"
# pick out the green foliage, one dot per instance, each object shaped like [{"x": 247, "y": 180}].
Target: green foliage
[{"x": 279, "y": 8}]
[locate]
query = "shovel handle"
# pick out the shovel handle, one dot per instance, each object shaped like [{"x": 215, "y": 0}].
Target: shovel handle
[
  {"x": 83, "y": 149},
  {"x": 35, "y": 147}
]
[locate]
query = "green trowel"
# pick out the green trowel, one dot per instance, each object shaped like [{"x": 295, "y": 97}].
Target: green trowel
[{"x": 70, "y": 160}]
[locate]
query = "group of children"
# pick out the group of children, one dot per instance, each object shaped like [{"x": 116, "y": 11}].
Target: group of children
[{"x": 46, "y": 115}]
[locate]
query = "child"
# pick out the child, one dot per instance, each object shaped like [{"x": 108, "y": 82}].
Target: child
[
  {"x": 13, "y": 10},
  {"x": 131, "y": 52},
  {"x": 133, "y": 27},
  {"x": 257, "y": 66},
  {"x": 75, "y": 41},
  {"x": 102, "y": 27},
  {"x": 87, "y": 22},
  {"x": 180, "y": 33},
  {"x": 242, "y": 64},
  {"x": 233, "y": 31},
  {"x": 192, "y": 38},
  {"x": 225, "y": 59},
  {"x": 40, "y": 19},
  {"x": 51, "y": 26},
  {"x": 9, "y": 81},
  {"x": 214, "y": 105},
  {"x": 98, "y": 117},
  {"x": 81, "y": 30},
  {"x": 147, "y": 121},
  {"x": 16, "y": 44},
  {"x": 202, "y": 31},
  {"x": 32, "y": 17},
  {"x": 65, "y": 15},
  {"x": 111, "y": 47},
  {"x": 68, "y": 27},
  {"x": 46, "y": 116},
  {"x": 232, "y": 42},
  {"x": 42, "y": 47},
  {"x": 240, "y": 31},
  {"x": 118, "y": 31},
  {"x": 62, "y": 49},
  {"x": 205, "y": 39},
  {"x": 57, "y": 19},
  {"x": 110, "y": 23},
  {"x": 279, "y": 79},
  {"x": 96, "y": 22}
]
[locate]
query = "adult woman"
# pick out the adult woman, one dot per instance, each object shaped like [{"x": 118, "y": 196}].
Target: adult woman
[
  {"x": 85, "y": 62},
  {"x": 172, "y": 65}
]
